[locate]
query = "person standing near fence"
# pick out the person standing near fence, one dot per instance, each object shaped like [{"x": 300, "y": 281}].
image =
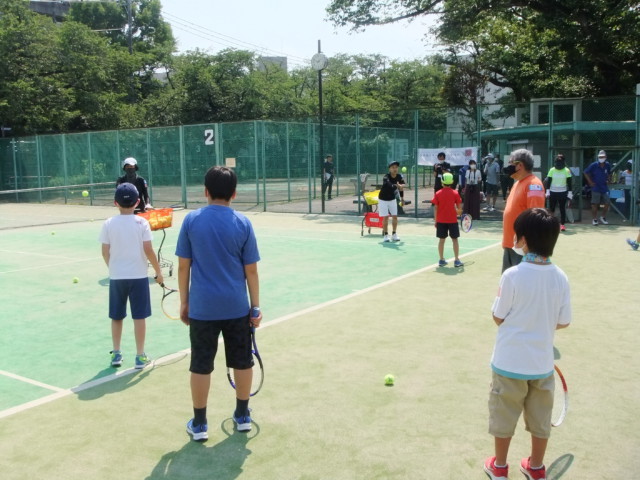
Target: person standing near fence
[
  {"x": 492, "y": 173},
  {"x": 439, "y": 169},
  {"x": 130, "y": 167},
  {"x": 598, "y": 175},
  {"x": 527, "y": 192},
  {"x": 327, "y": 175},
  {"x": 559, "y": 188},
  {"x": 473, "y": 184}
]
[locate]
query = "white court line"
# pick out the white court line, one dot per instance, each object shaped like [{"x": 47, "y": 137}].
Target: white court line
[
  {"x": 40, "y": 267},
  {"x": 84, "y": 386},
  {"x": 36, "y": 253},
  {"x": 30, "y": 381}
]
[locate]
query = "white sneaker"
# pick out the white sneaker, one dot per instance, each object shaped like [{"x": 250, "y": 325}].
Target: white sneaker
[
  {"x": 603, "y": 221},
  {"x": 594, "y": 222},
  {"x": 386, "y": 238},
  {"x": 395, "y": 237}
]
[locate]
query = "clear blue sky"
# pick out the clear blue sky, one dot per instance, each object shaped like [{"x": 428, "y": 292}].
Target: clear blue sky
[{"x": 289, "y": 28}]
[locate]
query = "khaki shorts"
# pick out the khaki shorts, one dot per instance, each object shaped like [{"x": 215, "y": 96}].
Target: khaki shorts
[{"x": 509, "y": 397}]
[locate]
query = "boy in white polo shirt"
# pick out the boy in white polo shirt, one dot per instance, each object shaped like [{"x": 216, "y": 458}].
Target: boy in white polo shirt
[{"x": 533, "y": 301}]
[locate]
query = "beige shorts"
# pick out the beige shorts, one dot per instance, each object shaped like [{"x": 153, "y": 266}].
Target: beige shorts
[{"x": 509, "y": 397}]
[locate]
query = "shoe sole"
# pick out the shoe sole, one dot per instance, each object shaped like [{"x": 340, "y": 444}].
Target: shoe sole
[
  {"x": 242, "y": 427},
  {"x": 492, "y": 477},
  {"x": 140, "y": 367},
  {"x": 116, "y": 364},
  {"x": 198, "y": 437}
]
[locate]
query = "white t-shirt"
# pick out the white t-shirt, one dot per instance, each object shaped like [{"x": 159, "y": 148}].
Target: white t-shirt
[
  {"x": 125, "y": 234},
  {"x": 532, "y": 300}
]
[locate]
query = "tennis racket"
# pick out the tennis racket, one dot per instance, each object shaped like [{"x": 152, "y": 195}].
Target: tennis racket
[
  {"x": 560, "y": 399},
  {"x": 170, "y": 303},
  {"x": 466, "y": 222},
  {"x": 570, "y": 216},
  {"x": 257, "y": 385}
]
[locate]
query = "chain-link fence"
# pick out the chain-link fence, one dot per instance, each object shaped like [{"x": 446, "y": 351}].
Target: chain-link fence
[{"x": 279, "y": 164}]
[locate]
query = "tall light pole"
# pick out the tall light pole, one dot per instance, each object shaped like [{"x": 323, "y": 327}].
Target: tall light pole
[{"x": 319, "y": 61}]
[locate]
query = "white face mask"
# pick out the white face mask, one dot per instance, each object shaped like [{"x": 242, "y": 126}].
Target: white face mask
[
  {"x": 472, "y": 167},
  {"x": 602, "y": 160},
  {"x": 518, "y": 250}
]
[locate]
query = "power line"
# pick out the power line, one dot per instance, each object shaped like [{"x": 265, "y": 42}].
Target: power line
[{"x": 226, "y": 40}]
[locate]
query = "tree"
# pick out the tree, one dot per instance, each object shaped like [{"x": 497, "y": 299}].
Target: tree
[
  {"x": 539, "y": 48},
  {"x": 35, "y": 97}
]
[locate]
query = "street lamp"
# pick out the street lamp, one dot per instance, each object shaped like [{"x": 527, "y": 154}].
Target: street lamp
[{"x": 319, "y": 62}]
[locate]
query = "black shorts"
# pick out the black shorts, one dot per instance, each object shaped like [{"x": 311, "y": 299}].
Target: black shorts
[
  {"x": 204, "y": 336},
  {"x": 492, "y": 189},
  {"x": 444, "y": 230}
]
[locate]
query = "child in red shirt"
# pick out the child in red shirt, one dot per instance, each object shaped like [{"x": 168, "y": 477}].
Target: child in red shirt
[{"x": 446, "y": 208}]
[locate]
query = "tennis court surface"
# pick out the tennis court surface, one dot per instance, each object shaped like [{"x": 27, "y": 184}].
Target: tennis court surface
[{"x": 340, "y": 312}]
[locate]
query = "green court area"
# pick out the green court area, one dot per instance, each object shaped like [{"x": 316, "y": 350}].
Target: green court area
[{"x": 341, "y": 311}]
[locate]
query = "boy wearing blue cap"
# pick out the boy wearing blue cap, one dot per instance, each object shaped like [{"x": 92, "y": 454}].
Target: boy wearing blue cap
[{"x": 126, "y": 248}]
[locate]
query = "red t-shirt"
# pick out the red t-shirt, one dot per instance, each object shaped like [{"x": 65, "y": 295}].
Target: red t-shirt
[
  {"x": 446, "y": 199},
  {"x": 525, "y": 193}
]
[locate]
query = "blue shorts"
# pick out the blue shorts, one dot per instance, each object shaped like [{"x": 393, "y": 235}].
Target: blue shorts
[
  {"x": 136, "y": 291},
  {"x": 204, "y": 343}
]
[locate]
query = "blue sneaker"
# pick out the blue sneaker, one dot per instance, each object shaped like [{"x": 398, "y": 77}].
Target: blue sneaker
[
  {"x": 142, "y": 361},
  {"x": 458, "y": 263},
  {"x": 116, "y": 358},
  {"x": 243, "y": 423},
  {"x": 442, "y": 263},
  {"x": 633, "y": 244},
  {"x": 199, "y": 432}
]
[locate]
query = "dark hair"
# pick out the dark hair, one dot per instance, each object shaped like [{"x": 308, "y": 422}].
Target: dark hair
[
  {"x": 540, "y": 230},
  {"x": 560, "y": 156},
  {"x": 220, "y": 182}
]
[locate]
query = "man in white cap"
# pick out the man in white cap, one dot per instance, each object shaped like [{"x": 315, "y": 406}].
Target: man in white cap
[
  {"x": 598, "y": 175},
  {"x": 130, "y": 167}
]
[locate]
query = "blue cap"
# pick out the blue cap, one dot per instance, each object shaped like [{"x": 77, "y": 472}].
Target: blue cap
[{"x": 126, "y": 195}]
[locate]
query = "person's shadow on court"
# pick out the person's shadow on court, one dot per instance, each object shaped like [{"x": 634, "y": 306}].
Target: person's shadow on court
[{"x": 222, "y": 461}]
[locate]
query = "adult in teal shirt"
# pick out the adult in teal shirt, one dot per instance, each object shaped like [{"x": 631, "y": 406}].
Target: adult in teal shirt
[{"x": 559, "y": 188}]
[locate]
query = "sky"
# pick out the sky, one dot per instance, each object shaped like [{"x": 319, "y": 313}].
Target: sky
[{"x": 288, "y": 28}]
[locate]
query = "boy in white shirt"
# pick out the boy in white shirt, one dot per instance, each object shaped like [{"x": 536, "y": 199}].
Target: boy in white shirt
[
  {"x": 126, "y": 247},
  {"x": 533, "y": 301}
]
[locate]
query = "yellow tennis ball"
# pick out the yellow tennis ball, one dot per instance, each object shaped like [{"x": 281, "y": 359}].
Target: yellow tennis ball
[
  {"x": 85, "y": 193},
  {"x": 76, "y": 279},
  {"x": 404, "y": 169},
  {"x": 389, "y": 379}
]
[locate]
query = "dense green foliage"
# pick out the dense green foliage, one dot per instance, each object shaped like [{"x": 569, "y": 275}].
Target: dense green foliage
[
  {"x": 535, "y": 48},
  {"x": 81, "y": 75},
  {"x": 94, "y": 71}
]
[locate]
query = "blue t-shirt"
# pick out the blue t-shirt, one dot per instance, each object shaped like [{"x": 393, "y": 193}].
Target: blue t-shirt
[
  {"x": 599, "y": 176},
  {"x": 220, "y": 242}
]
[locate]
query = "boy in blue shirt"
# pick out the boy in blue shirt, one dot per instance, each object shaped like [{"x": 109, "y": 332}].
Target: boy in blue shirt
[
  {"x": 217, "y": 264},
  {"x": 533, "y": 301},
  {"x": 598, "y": 175}
]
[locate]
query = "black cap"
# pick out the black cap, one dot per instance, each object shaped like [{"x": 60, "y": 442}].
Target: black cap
[{"x": 126, "y": 195}]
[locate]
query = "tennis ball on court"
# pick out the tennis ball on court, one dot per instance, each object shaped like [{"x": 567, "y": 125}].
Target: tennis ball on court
[
  {"x": 85, "y": 193},
  {"x": 388, "y": 380},
  {"x": 76, "y": 279},
  {"x": 53, "y": 232},
  {"x": 404, "y": 169}
]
